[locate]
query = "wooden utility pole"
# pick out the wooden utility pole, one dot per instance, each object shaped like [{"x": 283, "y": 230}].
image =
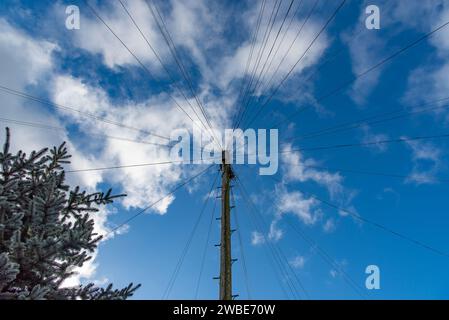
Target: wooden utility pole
[{"x": 225, "y": 246}]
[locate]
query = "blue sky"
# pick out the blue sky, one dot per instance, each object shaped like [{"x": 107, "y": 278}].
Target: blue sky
[{"x": 88, "y": 69}]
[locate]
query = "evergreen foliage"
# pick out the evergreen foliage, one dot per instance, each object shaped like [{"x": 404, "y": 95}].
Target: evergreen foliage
[{"x": 46, "y": 228}]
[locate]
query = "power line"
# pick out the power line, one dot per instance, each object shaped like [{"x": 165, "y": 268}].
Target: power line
[
  {"x": 273, "y": 259},
  {"x": 371, "y": 222},
  {"x": 328, "y": 259},
  {"x": 134, "y": 166},
  {"x": 163, "y": 28},
  {"x": 44, "y": 126},
  {"x": 371, "y": 120},
  {"x": 259, "y": 77},
  {"x": 264, "y": 69},
  {"x": 260, "y": 54},
  {"x": 248, "y": 61},
  {"x": 337, "y": 53},
  {"x": 151, "y": 205},
  {"x": 168, "y": 39},
  {"x": 242, "y": 252},
  {"x": 277, "y": 250},
  {"x": 145, "y": 68},
  {"x": 141, "y": 211},
  {"x": 206, "y": 245},
  {"x": 364, "y": 73},
  {"x": 250, "y": 90},
  {"x": 160, "y": 60},
  {"x": 304, "y": 53},
  {"x": 379, "y": 226},
  {"x": 188, "y": 243},
  {"x": 71, "y": 109},
  {"x": 299, "y": 60},
  {"x": 261, "y": 50},
  {"x": 370, "y": 143},
  {"x": 283, "y": 38},
  {"x": 159, "y": 200},
  {"x": 370, "y": 173},
  {"x": 291, "y": 44},
  {"x": 363, "y": 144}
]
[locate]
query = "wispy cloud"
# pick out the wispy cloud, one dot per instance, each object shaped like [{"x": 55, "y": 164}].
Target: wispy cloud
[
  {"x": 329, "y": 226},
  {"x": 371, "y": 46},
  {"x": 305, "y": 209},
  {"x": 298, "y": 262},
  {"x": 257, "y": 238},
  {"x": 427, "y": 162},
  {"x": 300, "y": 169},
  {"x": 369, "y": 137}
]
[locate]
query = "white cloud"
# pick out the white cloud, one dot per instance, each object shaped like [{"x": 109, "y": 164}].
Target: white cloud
[
  {"x": 143, "y": 186},
  {"x": 87, "y": 271},
  {"x": 298, "y": 262},
  {"x": 329, "y": 226},
  {"x": 368, "y": 47},
  {"x": 27, "y": 62},
  {"x": 192, "y": 26},
  {"x": 297, "y": 168},
  {"x": 427, "y": 163},
  {"x": 24, "y": 60},
  {"x": 430, "y": 80},
  {"x": 369, "y": 137},
  {"x": 257, "y": 238},
  {"x": 95, "y": 37},
  {"x": 234, "y": 65},
  {"x": 333, "y": 273},
  {"x": 339, "y": 268},
  {"x": 197, "y": 25},
  {"x": 365, "y": 52},
  {"x": 396, "y": 16},
  {"x": 275, "y": 233},
  {"x": 306, "y": 209}
]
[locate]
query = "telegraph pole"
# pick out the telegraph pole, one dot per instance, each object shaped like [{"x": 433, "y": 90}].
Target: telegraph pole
[{"x": 225, "y": 246}]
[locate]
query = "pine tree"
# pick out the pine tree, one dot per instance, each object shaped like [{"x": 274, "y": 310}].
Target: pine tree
[{"x": 46, "y": 228}]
